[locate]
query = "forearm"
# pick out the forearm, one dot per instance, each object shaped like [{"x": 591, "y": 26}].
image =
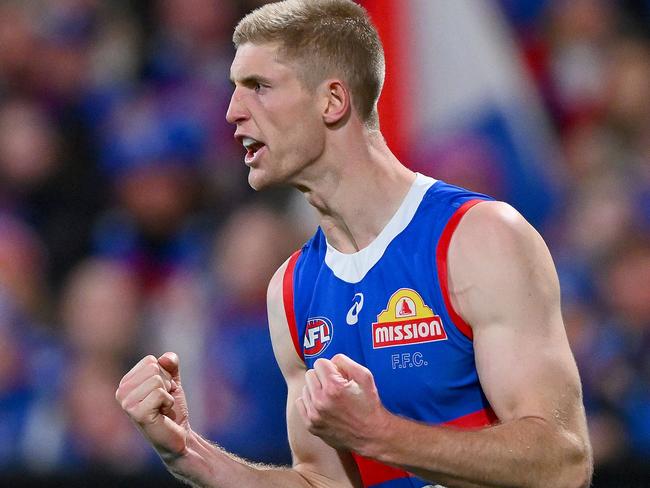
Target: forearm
[
  {"x": 522, "y": 453},
  {"x": 205, "y": 465}
]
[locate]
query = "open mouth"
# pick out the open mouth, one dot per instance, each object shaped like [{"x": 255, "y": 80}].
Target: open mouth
[{"x": 253, "y": 149}]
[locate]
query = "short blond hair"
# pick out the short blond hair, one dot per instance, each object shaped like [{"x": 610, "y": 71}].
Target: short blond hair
[{"x": 324, "y": 38}]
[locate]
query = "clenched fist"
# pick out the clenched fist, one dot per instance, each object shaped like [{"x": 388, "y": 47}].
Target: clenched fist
[
  {"x": 152, "y": 395},
  {"x": 341, "y": 405}
]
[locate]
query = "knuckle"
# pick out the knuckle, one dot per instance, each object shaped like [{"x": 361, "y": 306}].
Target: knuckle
[
  {"x": 164, "y": 373},
  {"x": 152, "y": 369},
  {"x": 314, "y": 417},
  {"x": 157, "y": 382},
  {"x": 332, "y": 391},
  {"x": 317, "y": 404},
  {"x": 127, "y": 408},
  {"x": 341, "y": 359},
  {"x": 321, "y": 404}
]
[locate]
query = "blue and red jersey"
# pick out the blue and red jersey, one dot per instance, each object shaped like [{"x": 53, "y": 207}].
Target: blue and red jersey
[{"x": 387, "y": 307}]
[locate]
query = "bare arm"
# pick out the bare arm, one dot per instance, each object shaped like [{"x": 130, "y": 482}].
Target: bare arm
[
  {"x": 502, "y": 282},
  {"x": 152, "y": 395},
  {"x": 311, "y": 455}
]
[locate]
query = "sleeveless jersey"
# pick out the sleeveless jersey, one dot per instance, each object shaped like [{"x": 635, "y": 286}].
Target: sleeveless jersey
[{"x": 387, "y": 307}]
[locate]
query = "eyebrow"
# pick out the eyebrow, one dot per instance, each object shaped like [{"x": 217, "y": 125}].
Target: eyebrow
[{"x": 251, "y": 80}]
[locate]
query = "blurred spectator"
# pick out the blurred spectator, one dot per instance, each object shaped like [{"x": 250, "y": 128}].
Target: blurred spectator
[
  {"x": 22, "y": 267},
  {"x": 250, "y": 247},
  {"x": 65, "y": 31},
  {"x": 579, "y": 33},
  {"x": 28, "y": 146},
  {"x": 628, "y": 89},
  {"x": 193, "y": 39},
  {"x": 611, "y": 348},
  {"x": 17, "y": 46},
  {"x": 244, "y": 389},
  {"x": 102, "y": 311},
  {"x": 152, "y": 153},
  {"x": 30, "y": 356},
  {"x": 31, "y": 363},
  {"x": 41, "y": 182},
  {"x": 97, "y": 435}
]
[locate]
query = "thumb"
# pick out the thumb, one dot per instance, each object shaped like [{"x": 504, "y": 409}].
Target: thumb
[
  {"x": 352, "y": 370},
  {"x": 169, "y": 362}
]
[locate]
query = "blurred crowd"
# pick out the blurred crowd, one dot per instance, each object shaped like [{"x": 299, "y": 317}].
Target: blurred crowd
[
  {"x": 127, "y": 226},
  {"x": 591, "y": 61}
]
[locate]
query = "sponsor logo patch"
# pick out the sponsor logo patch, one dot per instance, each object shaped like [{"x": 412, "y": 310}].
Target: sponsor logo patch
[
  {"x": 318, "y": 335},
  {"x": 406, "y": 320}
]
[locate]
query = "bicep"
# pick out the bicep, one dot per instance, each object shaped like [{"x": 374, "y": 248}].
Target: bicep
[
  {"x": 320, "y": 464},
  {"x": 529, "y": 374},
  {"x": 508, "y": 290}
]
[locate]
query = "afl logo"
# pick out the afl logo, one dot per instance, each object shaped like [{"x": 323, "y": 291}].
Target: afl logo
[{"x": 318, "y": 336}]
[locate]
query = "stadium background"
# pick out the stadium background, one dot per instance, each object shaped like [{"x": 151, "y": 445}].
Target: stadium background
[{"x": 127, "y": 227}]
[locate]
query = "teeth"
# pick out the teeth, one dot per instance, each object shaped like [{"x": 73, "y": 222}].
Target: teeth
[{"x": 248, "y": 142}]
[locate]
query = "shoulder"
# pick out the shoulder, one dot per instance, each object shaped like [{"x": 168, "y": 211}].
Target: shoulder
[
  {"x": 276, "y": 284},
  {"x": 284, "y": 341},
  {"x": 497, "y": 259},
  {"x": 277, "y": 293},
  {"x": 495, "y": 228},
  {"x": 445, "y": 205}
]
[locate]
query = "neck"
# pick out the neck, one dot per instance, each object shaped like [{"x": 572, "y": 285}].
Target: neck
[{"x": 356, "y": 187}]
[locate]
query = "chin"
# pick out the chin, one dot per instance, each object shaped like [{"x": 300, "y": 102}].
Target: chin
[{"x": 259, "y": 181}]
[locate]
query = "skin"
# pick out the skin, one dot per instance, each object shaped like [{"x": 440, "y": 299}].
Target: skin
[{"x": 501, "y": 280}]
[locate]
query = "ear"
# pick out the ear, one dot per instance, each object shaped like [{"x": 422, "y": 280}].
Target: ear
[{"x": 338, "y": 102}]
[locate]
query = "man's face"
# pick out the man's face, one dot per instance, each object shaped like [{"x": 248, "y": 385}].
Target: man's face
[{"x": 278, "y": 120}]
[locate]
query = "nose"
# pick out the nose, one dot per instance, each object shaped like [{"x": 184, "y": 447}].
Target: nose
[{"x": 236, "y": 110}]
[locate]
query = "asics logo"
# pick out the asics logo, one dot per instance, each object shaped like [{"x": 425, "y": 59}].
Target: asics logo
[{"x": 353, "y": 314}]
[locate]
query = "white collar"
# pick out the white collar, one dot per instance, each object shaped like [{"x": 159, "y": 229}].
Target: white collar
[{"x": 352, "y": 268}]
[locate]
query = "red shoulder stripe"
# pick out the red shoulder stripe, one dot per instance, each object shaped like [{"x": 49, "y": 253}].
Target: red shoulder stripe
[
  {"x": 287, "y": 298},
  {"x": 441, "y": 260}
]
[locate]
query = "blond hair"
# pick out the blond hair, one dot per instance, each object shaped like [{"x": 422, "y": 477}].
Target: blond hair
[{"x": 324, "y": 38}]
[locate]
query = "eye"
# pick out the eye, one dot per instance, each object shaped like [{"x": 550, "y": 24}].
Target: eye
[{"x": 259, "y": 86}]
